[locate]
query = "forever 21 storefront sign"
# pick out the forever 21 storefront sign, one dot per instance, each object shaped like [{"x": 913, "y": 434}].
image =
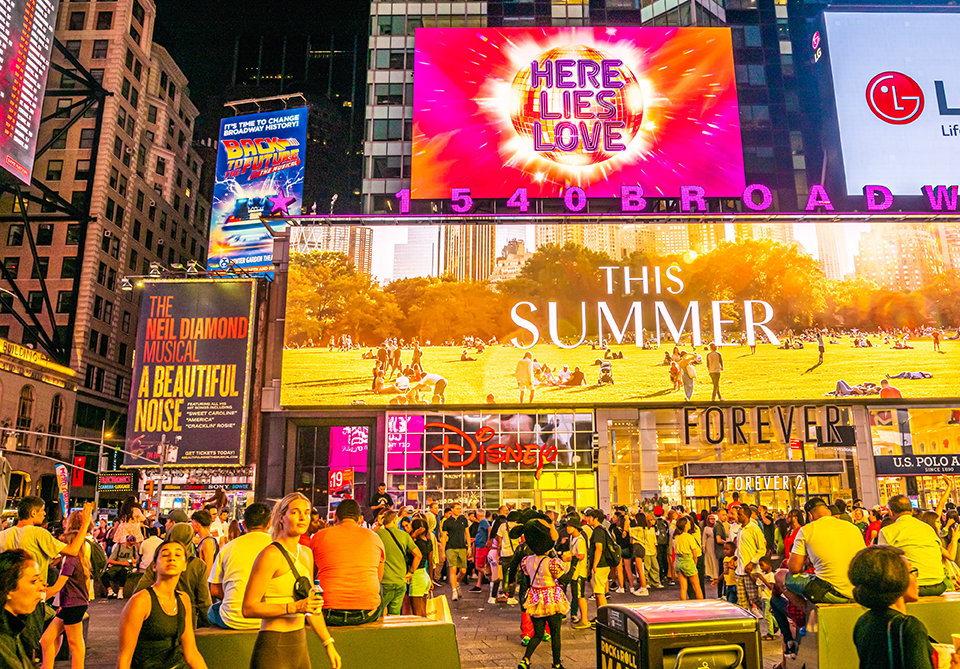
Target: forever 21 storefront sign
[{"x": 917, "y": 465}]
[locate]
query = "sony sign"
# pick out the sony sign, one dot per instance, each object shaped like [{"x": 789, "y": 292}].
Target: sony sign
[{"x": 897, "y": 82}]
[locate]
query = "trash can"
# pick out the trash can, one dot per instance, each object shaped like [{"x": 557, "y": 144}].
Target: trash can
[{"x": 699, "y": 634}]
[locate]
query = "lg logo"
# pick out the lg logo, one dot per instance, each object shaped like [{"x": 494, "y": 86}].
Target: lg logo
[{"x": 895, "y": 98}]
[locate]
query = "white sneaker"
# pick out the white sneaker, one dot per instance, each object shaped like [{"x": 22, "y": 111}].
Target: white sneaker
[
  {"x": 658, "y": 586},
  {"x": 619, "y": 591},
  {"x": 119, "y": 594},
  {"x": 455, "y": 596},
  {"x": 641, "y": 592},
  {"x": 491, "y": 601},
  {"x": 512, "y": 600}
]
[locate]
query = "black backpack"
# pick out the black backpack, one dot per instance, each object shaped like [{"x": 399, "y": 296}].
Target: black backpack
[
  {"x": 611, "y": 551},
  {"x": 98, "y": 559},
  {"x": 663, "y": 532}
]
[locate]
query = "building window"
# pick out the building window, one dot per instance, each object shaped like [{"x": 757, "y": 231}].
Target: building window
[
  {"x": 83, "y": 170},
  {"x": 138, "y": 12},
  {"x": 125, "y": 322},
  {"x": 64, "y": 301},
  {"x": 25, "y": 408},
  {"x": 133, "y": 260},
  {"x": 34, "y": 302},
  {"x": 68, "y": 268},
  {"x": 56, "y": 415},
  {"x": 139, "y": 200},
  {"x": 100, "y": 48},
  {"x": 117, "y": 147},
  {"x": 152, "y": 114},
  {"x": 73, "y": 234},
  {"x": 12, "y": 266},
  {"x": 15, "y": 235},
  {"x": 135, "y": 34},
  {"x": 40, "y": 268},
  {"x": 45, "y": 234},
  {"x": 134, "y": 98},
  {"x": 161, "y": 166},
  {"x": 87, "y": 135},
  {"x": 121, "y": 385},
  {"x": 54, "y": 170},
  {"x": 148, "y": 242},
  {"x": 77, "y": 19},
  {"x": 104, "y": 20}
]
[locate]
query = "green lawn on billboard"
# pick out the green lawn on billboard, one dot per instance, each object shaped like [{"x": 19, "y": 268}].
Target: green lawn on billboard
[{"x": 321, "y": 377}]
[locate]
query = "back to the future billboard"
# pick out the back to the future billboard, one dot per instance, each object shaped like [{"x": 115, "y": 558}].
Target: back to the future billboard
[
  {"x": 259, "y": 173},
  {"x": 896, "y": 78}
]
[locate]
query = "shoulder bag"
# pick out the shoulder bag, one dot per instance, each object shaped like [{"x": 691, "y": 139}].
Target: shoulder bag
[{"x": 301, "y": 584}]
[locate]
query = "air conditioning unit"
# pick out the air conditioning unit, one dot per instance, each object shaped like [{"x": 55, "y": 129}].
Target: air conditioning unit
[
  {"x": 107, "y": 233},
  {"x": 128, "y": 149},
  {"x": 153, "y": 203}
]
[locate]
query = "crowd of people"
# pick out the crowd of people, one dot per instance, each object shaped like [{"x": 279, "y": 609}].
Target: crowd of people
[{"x": 283, "y": 570}]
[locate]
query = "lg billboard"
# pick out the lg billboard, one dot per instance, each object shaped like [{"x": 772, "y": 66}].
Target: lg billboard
[
  {"x": 597, "y": 108},
  {"x": 896, "y": 77}
]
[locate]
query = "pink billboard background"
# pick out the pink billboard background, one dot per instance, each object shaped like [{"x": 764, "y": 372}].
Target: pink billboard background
[{"x": 670, "y": 110}]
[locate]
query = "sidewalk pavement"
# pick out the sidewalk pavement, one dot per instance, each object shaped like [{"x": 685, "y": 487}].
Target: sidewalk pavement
[{"x": 488, "y": 634}]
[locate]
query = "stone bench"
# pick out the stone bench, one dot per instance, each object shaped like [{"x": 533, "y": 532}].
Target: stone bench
[
  {"x": 828, "y": 643},
  {"x": 400, "y": 642}
]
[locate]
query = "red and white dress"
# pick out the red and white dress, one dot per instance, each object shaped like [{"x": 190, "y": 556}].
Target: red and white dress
[{"x": 545, "y": 596}]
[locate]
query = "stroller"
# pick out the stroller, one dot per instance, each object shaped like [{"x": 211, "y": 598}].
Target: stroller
[{"x": 606, "y": 374}]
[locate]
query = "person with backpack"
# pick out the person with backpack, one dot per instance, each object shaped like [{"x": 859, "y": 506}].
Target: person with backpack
[
  {"x": 401, "y": 560},
  {"x": 602, "y": 555},
  {"x": 662, "y": 529}
]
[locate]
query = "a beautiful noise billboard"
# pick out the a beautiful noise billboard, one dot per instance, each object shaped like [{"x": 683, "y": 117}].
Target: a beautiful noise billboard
[
  {"x": 259, "y": 173},
  {"x": 624, "y": 312},
  {"x": 546, "y": 108},
  {"x": 191, "y": 373}
]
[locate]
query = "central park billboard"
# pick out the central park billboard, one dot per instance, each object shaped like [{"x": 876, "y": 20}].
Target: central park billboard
[{"x": 601, "y": 313}]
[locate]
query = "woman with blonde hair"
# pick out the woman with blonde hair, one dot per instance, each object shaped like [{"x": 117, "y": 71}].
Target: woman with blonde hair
[
  {"x": 280, "y": 592},
  {"x": 73, "y": 585}
]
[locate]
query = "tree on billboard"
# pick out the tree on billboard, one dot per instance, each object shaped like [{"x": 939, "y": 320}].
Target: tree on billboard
[
  {"x": 327, "y": 296},
  {"x": 943, "y": 299},
  {"x": 848, "y": 303},
  {"x": 449, "y": 310}
]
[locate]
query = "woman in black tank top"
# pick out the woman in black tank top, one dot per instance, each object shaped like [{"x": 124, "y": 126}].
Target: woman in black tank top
[{"x": 154, "y": 633}]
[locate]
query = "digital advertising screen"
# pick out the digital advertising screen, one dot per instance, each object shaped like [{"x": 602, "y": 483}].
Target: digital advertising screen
[
  {"x": 191, "y": 374},
  {"x": 583, "y": 314},
  {"x": 260, "y": 162},
  {"x": 896, "y": 77},
  {"x": 547, "y": 108},
  {"x": 26, "y": 29}
]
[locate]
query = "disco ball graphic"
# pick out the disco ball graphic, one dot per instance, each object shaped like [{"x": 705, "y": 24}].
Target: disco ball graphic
[{"x": 525, "y": 108}]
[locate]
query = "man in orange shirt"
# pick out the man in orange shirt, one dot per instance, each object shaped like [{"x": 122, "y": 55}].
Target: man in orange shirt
[
  {"x": 349, "y": 563},
  {"x": 887, "y": 391}
]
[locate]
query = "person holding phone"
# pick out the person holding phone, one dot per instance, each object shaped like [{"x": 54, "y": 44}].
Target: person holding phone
[{"x": 280, "y": 592}]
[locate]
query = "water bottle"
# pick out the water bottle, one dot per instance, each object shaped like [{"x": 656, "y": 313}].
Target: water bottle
[{"x": 317, "y": 589}]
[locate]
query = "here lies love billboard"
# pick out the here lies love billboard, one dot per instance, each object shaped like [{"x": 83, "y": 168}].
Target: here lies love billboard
[
  {"x": 260, "y": 161},
  {"x": 623, "y": 312},
  {"x": 191, "y": 376},
  {"x": 593, "y": 108}
]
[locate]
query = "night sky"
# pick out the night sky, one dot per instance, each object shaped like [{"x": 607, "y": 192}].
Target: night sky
[{"x": 200, "y": 35}]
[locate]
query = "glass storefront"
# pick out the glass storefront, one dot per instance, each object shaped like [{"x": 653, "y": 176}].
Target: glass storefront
[
  {"x": 917, "y": 453},
  {"x": 766, "y": 440},
  {"x": 485, "y": 460}
]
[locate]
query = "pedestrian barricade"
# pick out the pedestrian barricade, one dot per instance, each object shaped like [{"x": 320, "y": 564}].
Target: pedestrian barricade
[
  {"x": 828, "y": 643},
  {"x": 677, "y": 635},
  {"x": 402, "y": 642}
]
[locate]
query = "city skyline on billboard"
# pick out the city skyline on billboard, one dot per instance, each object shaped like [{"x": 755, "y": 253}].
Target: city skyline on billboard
[
  {"x": 260, "y": 169},
  {"x": 896, "y": 79},
  {"x": 27, "y": 38},
  {"x": 642, "y": 290},
  {"x": 191, "y": 373},
  {"x": 545, "y": 109}
]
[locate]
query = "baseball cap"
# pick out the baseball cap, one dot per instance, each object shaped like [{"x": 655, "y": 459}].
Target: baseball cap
[
  {"x": 574, "y": 521},
  {"x": 177, "y": 516},
  {"x": 813, "y": 503}
]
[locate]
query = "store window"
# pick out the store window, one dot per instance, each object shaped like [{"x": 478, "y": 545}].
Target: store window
[
  {"x": 24, "y": 412},
  {"x": 704, "y": 456},
  {"x": 332, "y": 463},
  {"x": 486, "y": 460},
  {"x": 916, "y": 452}
]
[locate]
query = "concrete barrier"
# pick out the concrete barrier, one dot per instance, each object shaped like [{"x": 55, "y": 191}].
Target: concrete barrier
[
  {"x": 399, "y": 642},
  {"x": 828, "y": 643}
]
